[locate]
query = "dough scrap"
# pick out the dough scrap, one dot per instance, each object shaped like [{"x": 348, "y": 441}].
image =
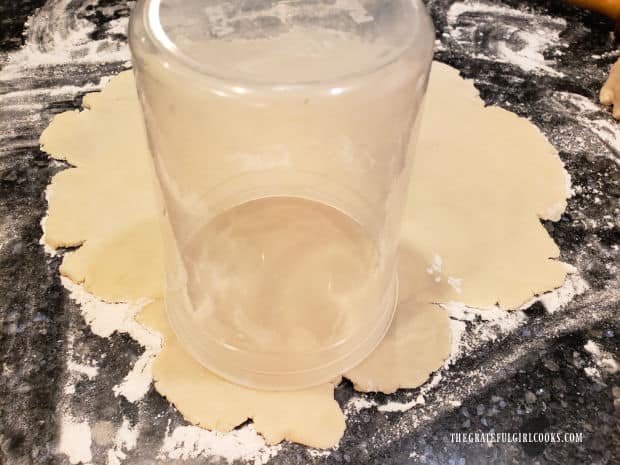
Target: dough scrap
[
  {"x": 610, "y": 92},
  {"x": 482, "y": 179}
]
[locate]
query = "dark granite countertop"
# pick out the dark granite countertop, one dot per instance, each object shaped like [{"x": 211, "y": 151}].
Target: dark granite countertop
[{"x": 540, "y": 59}]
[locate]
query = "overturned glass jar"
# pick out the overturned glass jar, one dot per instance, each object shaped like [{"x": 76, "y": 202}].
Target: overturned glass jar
[{"x": 282, "y": 136}]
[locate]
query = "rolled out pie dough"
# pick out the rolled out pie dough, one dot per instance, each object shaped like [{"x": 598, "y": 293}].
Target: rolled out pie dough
[{"x": 482, "y": 180}]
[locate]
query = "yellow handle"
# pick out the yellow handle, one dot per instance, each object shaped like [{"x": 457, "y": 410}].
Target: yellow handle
[{"x": 609, "y": 8}]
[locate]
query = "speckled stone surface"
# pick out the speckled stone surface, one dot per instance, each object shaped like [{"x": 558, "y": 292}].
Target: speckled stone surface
[{"x": 540, "y": 59}]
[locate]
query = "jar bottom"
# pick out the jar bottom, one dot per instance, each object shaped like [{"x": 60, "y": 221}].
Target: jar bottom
[
  {"x": 280, "y": 293},
  {"x": 231, "y": 364}
]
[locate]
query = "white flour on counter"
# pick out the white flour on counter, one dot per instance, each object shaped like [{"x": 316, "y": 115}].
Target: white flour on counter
[
  {"x": 392, "y": 406},
  {"x": 54, "y": 37},
  {"x": 526, "y": 35},
  {"x": 604, "y": 361},
  {"x": 103, "y": 319},
  {"x": 126, "y": 439},
  {"x": 75, "y": 435},
  {"x": 555, "y": 300},
  {"x": 75, "y": 440},
  {"x": 592, "y": 116},
  {"x": 358, "y": 403},
  {"x": 88, "y": 370},
  {"x": 38, "y": 74},
  {"x": 187, "y": 442}
]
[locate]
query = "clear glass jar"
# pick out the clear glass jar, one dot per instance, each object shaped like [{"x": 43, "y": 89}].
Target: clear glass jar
[{"x": 281, "y": 135}]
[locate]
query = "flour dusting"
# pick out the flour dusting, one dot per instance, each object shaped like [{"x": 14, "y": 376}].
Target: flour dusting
[
  {"x": 393, "y": 406},
  {"x": 357, "y": 403},
  {"x": 88, "y": 370},
  {"x": 456, "y": 284},
  {"x": 435, "y": 265},
  {"x": 59, "y": 47},
  {"x": 125, "y": 440},
  {"x": 187, "y": 442},
  {"x": 604, "y": 360},
  {"x": 522, "y": 37},
  {"x": 75, "y": 440},
  {"x": 420, "y": 399},
  {"x": 595, "y": 118},
  {"x": 557, "y": 299},
  {"x": 54, "y": 37},
  {"x": 105, "y": 318}
]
